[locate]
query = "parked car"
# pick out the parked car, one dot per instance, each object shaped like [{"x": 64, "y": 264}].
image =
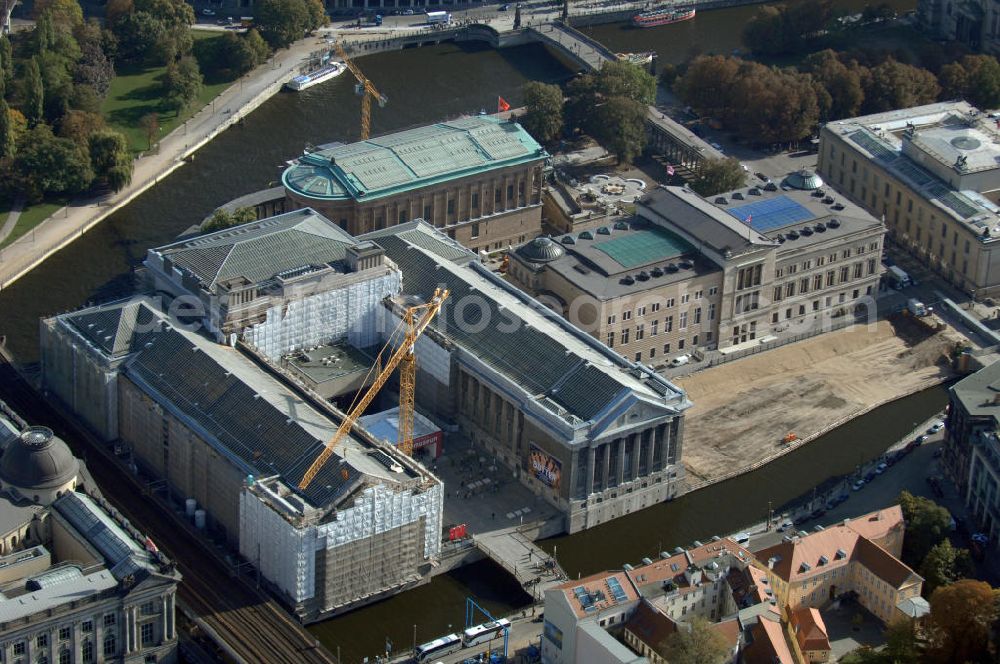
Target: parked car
[
  {"x": 208, "y": 12},
  {"x": 937, "y": 426},
  {"x": 762, "y": 177},
  {"x": 869, "y": 476},
  {"x": 505, "y": 7},
  {"x": 680, "y": 360},
  {"x": 407, "y": 12},
  {"x": 817, "y": 513},
  {"x": 785, "y": 525},
  {"x": 741, "y": 538},
  {"x": 881, "y": 468},
  {"x": 857, "y": 486}
]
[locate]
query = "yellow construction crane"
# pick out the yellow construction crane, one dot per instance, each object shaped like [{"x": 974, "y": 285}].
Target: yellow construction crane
[
  {"x": 366, "y": 89},
  {"x": 402, "y": 357}
]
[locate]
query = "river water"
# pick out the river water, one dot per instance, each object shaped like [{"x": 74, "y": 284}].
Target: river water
[{"x": 424, "y": 85}]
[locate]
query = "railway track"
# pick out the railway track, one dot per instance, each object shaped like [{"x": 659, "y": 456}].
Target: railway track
[{"x": 254, "y": 627}]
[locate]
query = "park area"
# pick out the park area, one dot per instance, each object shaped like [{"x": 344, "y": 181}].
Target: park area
[
  {"x": 743, "y": 409},
  {"x": 137, "y": 92}
]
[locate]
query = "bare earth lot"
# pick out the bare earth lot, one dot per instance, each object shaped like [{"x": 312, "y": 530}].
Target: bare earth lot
[{"x": 743, "y": 409}]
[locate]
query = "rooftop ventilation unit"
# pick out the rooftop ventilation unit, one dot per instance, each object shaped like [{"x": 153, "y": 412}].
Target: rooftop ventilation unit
[
  {"x": 820, "y": 227},
  {"x": 792, "y": 235},
  {"x": 721, "y": 200},
  {"x": 657, "y": 272},
  {"x": 604, "y": 230},
  {"x": 754, "y": 191},
  {"x": 737, "y": 196},
  {"x": 833, "y": 223},
  {"x": 643, "y": 276},
  {"x": 838, "y": 207},
  {"x": 806, "y": 231},
  {"x": 828, "y": 200},
  {"x": 628, "y": 280},
  {"x": 671, "y": 268}
]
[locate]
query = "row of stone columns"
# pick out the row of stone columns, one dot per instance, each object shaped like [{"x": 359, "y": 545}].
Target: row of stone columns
[{"x": 655, "y": 455}]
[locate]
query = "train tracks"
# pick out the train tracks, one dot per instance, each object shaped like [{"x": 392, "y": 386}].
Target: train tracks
[{"x": 254, "y": 627}]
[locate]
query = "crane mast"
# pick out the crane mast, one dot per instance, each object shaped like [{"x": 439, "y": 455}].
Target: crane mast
[
  {"x": 366, "y": 89},
  {"x": 405, "y": 359}
]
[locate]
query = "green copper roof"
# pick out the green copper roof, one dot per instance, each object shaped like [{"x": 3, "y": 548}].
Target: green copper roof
[
  {"x": 643, "y": 247},
  {"x": 410, "y": 159}
]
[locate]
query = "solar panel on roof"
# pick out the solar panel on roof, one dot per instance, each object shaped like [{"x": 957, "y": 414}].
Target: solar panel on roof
[{"x": 772, "y": 213}]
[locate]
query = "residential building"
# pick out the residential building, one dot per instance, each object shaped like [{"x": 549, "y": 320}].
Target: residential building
[
  {"x": 973, "y": 414},
  {"x": 972, "y": 449},
  {"x": 932, "y": 173},
  {"x": 974, "y": 23},
  {"x": 811, "y": 638},
  {"x": 594, "y": 434},
  {"x": 766, "y": 642},
  {"x": 688, "y": 273},
  {"x": 77, "y": 582},
  {"x": 642, "y": 606},
  {"x": 478, "y": 179},
  {"x": 859, "y": 555}
]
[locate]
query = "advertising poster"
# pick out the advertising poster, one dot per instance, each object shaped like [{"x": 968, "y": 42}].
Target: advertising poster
[{"x": 545, "y": 467}]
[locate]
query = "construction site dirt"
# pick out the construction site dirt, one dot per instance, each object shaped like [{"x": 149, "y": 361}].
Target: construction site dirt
[{"x": 745, "y": 410}]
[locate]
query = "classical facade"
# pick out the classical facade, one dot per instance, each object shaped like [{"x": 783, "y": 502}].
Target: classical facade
[
  {"x": 593, "y": 433},
  {"x": 975, "y": 23},
  {"x": 688, "y": 273},
  {"x": 932, "y": 173},
  {"x": 478, "y": 179}
]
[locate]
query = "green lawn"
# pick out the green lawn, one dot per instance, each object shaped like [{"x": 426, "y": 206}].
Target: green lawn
[
  {"x": 137, "y": 92},
  {"x": 30, "y": 217}
]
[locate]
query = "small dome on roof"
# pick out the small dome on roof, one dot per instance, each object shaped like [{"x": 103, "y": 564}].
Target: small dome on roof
[
  {"x": 38, "y": 459},
  {"x": 541, "y": 249},
  {"x": 804, "y": 179}
]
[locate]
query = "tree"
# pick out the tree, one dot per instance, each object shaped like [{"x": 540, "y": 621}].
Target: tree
[
  {"x": 622, "y": 127},
  {"x": 182, "y": 82},
  {"x": 927, "y": 523},
  {"x": 150, "y": 124},
  {"x": 65, "y": 14},
  {"x": 782, "y": 29},
  {"x": 94, "y": 68},
  {"x": 111, "y": 158},
  {"x": 137, "y": 34},
  {"x": 707, "y": 84},
  {"x": 702, "y": 644},
  {"x": 719, "y": 175},
  {"x": 317, "y": 14},
  {"x": 893, "y": 85},
  {"x": 46, "y": 164},
  {"x": 543, "y": 117},
  {"x": 975, "y": 78},
  {"x": 45, "y": 33},
  {"x": 582, "y": 99},
  {"x": 281, "y": 22},
  {"x": 901, "y": 641},
  {"x": 944, "y": 564},
  {"x": 33, "y": 92},
  {"x": 960, "y": 622},
  {"x": 7, "y": 144},
  {"x": 79, "y": 125},
  {"x": 221, "y": 219},
  {"x": 116, "y": 9},
  {"x": 6, "y": 60},
  {"x": 619, "y": 78},
  {"x": 668, "y": 75},
  {"x": 840, "y": 82}
]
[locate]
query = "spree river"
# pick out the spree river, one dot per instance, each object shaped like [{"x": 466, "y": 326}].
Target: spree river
[{"x": 424, "y": 85}]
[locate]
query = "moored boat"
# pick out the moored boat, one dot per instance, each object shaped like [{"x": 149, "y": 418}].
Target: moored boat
[
  {"x": 316, "y": 77},
  {"x": 662, "y": 16},
  {"x": 640, "y": 59}
]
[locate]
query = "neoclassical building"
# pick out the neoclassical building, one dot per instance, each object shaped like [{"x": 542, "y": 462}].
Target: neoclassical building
[{"x": 477, "y": 179}]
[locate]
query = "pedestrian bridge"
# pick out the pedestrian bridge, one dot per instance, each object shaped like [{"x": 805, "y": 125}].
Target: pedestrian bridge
[{"x": 513, "y": 550}]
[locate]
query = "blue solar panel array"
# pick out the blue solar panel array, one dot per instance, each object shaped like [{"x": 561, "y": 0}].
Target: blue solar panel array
[{"x": 772, "y": 213}]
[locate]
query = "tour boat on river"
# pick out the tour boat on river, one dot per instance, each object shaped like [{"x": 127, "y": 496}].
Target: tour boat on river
[
  {"x": 662, "y": 16},
  {"x": 321, "y": 75}
]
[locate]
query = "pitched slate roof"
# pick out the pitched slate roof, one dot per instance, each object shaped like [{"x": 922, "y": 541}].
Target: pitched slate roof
[
  {"x": 507, "y": 330},
  {"x": 245, "y": 424},
  {"x": 410, "y": 159},
  {"x": 260, "y": 250},
  {"x": 117, "y": 328}
]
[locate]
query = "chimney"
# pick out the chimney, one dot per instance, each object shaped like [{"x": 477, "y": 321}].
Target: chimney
[{"x": 770, "y": 562}]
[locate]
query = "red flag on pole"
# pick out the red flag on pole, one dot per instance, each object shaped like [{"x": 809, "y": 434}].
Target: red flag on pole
[
  {"x": 502, "y": 105},
  {"x": 749, "y": 219}
]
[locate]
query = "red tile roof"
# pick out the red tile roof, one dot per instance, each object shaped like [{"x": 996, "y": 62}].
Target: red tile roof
[
  {"x": 810, "y": 630},
  {"x": 768, "y": 645}
]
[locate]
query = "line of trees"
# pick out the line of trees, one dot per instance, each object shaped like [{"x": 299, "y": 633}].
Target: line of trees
[
  {"x": 780, "y": 105},
  {"x": 283, "y": 21},
  {"x": 611, "y": 106}
]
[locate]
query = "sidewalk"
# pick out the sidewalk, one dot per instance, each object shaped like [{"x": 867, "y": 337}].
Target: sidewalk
[{"x": 234, "y": 103}]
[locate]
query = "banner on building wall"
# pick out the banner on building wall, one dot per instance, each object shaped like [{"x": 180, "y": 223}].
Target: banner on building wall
[{"x": 545, "y": 467}]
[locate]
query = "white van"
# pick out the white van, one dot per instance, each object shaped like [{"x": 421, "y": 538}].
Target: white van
[{"x": 680, "y": 360}]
